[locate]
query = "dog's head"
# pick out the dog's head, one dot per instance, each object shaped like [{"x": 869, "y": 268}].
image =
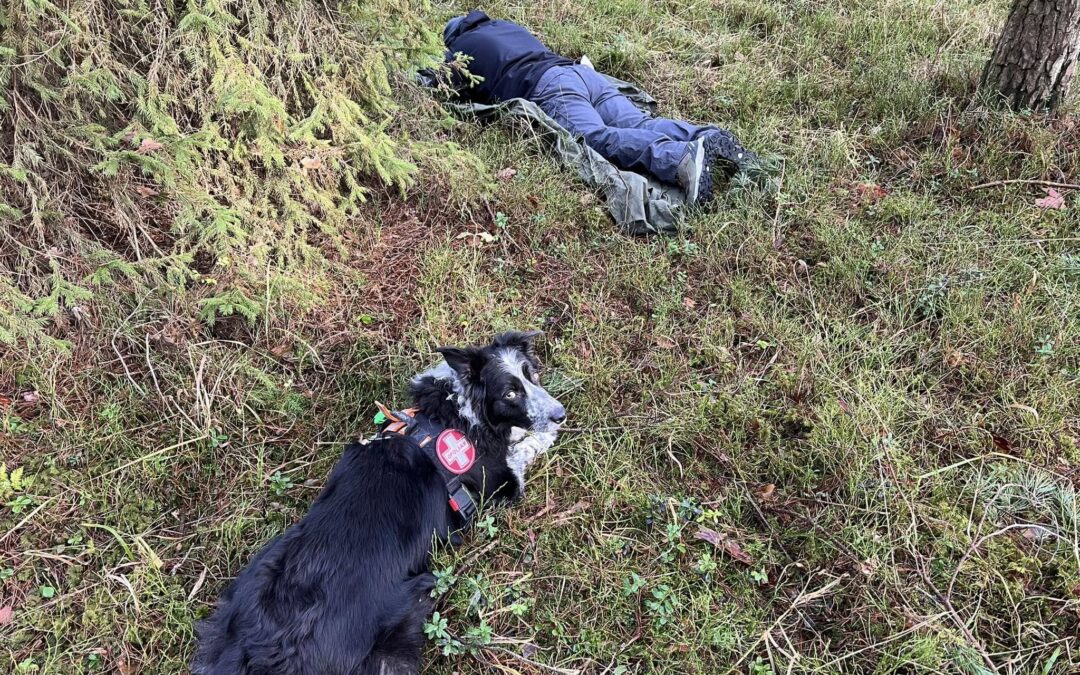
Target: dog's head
[{"x": 500, "y": 386}]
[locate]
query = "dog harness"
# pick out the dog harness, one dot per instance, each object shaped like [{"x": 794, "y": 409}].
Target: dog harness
[{"x": 449, "y": 449}]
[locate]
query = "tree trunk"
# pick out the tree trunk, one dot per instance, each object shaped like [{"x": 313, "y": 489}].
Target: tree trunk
[{"x": 1035, "y": 57}]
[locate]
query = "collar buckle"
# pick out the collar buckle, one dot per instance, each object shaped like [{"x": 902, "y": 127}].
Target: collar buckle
[{"x": 461, "y": 502}]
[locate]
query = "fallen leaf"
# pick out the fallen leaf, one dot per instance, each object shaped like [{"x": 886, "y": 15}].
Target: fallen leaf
[
  {"x": 198, "y": 583},
  {"x": 689, "y": 303},
  {"x": 587, "y": 199},
  {"x": 1001, "y": 443},
  {"x": 1037, "y": 533},
  {"x": 506, "y": 174},
  {"x": 149, "y": 145},
  {"x": 565, "y": 515},
  {"x": 528, "y": 650},
  {"x": 477, "y": 238},
  {"x": 664, "y": 343},
  {"x": 725, "y": 543},
  {"x": 844, "y": 405},
  {"x": 280, "y": 350},
  {"x": 5, "y": 615},
  {"x": 311, "y": 163},
  {"x": 871, "y": 192},
  {"x": 766, "y": 493},
  {"x": 534, "y": 200},
  {"x": 146, "y": 191},
  {"x": 1052, "y": 200},
  {"x": 954, "y": 358},
  {"x": 5, "y": 401}
]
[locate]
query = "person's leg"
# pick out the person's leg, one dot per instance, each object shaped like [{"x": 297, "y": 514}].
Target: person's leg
[
  {"x": 564, "y": 95},
  {"x": 618, "y": 111}
]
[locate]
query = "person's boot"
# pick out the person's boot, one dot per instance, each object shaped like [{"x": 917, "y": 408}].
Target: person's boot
[
  {"x": 728, "y": 154},
  {"x": 716, "y": 151},
  {"x": 694, "y": 173}
]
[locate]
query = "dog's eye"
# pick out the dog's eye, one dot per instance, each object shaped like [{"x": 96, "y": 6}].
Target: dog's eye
[{"x": 510, "y": 395}]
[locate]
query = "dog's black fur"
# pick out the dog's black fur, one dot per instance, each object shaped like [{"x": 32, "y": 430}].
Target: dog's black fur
[{"x": 347, "y": 588}]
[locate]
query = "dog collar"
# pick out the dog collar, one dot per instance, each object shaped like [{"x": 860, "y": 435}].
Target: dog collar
[{"x": 449, "y": 449}]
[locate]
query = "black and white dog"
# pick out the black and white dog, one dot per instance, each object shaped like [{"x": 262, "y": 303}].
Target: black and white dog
[{"x": 347, "y": 589}]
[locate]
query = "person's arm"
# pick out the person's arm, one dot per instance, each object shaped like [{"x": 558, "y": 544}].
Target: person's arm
[
  {"x": 451, "y": 76},
  {"x": 461, "y": 81}
]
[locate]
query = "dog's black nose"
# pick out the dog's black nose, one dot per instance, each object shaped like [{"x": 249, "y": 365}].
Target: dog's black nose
[{"x": 558, "y": 415}]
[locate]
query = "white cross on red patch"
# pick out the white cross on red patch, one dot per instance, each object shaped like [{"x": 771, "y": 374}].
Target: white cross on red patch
[{"x": 455, "y": 451}]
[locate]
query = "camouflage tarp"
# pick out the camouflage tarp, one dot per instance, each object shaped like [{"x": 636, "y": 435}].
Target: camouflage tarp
[{"x": 639, "y": 204}]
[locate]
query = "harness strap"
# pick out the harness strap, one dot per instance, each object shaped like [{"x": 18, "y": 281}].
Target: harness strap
[{"x": 450, "y": 450}]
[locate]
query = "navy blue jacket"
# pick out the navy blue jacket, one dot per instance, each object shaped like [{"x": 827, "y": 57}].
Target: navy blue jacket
[{"x": 508, "y": 57}]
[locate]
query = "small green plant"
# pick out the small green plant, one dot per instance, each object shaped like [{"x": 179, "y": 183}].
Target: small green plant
[
  {"x": 706, "y": 565},
  {"x": 436, "y": 630},
  {"x": 520, "y": 607},
  {"x": 47, "y": 592},
  {"x": 21, "y": 503},
  {"x": 501, "y": 220},
  {"x": 932, "y": 297},
  {"x": 280, "y": 483},
  {"x": 27, "y": 665},
  {"x": 435, "y": 627},
  {"x": 218, "y": 439},
  {"x": 675, "y": 546},
  {"x": 487, "y": 526},
  {"x": 760, "y": 667},
  {"x": 479, "y": 636},
  {"x": 663, "y": 605},
  {"x": 15, "y": 481},
  {"x": 632, "y": 584},
  {"x": 677, "y": 248},
  {"x": 1045, "y": 347},
  {"x": 12, "y": 424},
  {"x": 444, "y": 580},
  {"x": 110, "y": 413},
  {"x": 760, "y": 577}
]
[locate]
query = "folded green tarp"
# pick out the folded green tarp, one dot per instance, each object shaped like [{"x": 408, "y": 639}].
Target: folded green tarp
[{"x": 639, "y": 204}]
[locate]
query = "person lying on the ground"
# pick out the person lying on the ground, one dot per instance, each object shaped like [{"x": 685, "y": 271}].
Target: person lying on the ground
[{"x": 506, "y": 61}]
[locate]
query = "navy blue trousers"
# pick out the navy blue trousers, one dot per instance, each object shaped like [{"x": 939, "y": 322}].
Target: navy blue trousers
[{"x": 584, "y": 103}]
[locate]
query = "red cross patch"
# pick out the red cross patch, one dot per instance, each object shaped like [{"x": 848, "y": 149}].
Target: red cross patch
[{"x": 455, "y": 451}]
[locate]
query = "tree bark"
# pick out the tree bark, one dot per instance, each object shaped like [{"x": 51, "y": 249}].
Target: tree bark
[{"x": 1036, "y": 56}]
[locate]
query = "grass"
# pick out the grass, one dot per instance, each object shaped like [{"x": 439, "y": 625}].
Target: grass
[{"x": 861, "y": 392}]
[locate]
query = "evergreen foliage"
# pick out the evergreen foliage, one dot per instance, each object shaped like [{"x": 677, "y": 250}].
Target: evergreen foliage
[{"x": 141, "y": 136}]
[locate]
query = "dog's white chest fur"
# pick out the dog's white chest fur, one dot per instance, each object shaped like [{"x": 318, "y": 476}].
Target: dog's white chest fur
[{"x": 525, "y": 447}]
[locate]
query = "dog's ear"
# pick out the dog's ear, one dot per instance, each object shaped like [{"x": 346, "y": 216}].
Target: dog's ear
[
  {"x": 467, "y": 362},
  {"x": 518, "y": 340}
]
